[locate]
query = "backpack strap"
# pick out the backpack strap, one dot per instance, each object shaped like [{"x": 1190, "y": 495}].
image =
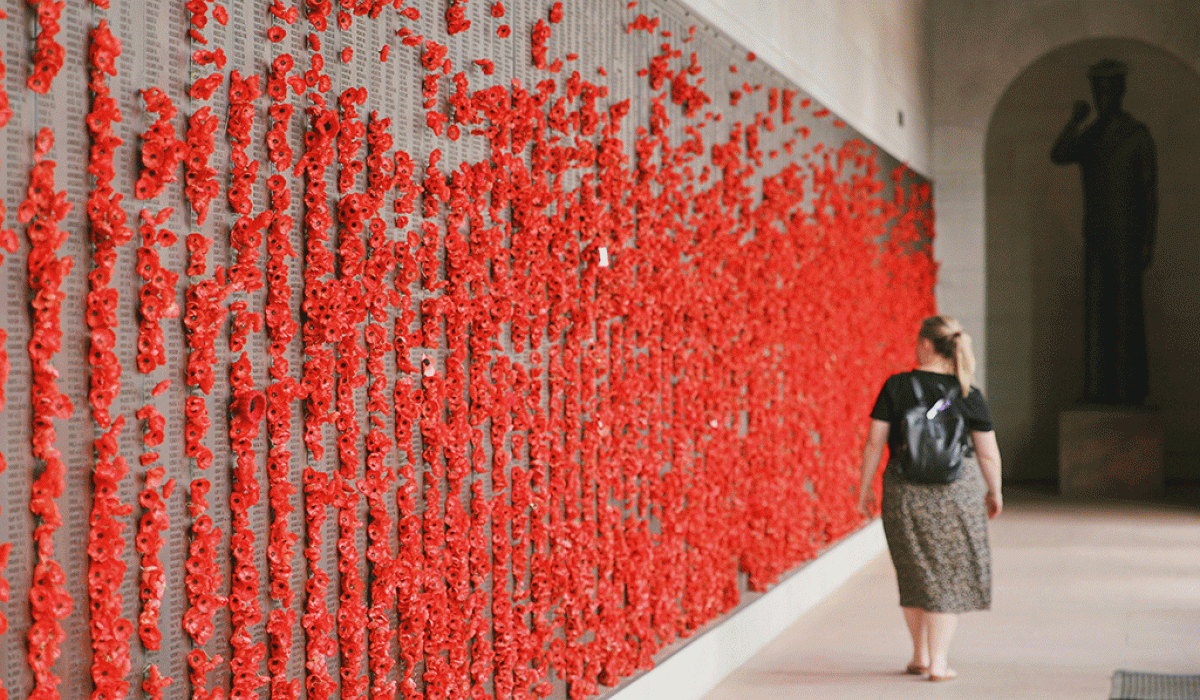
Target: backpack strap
[
  {"x": 936, "y": 406},
  {"x": 916, "y": 387}
]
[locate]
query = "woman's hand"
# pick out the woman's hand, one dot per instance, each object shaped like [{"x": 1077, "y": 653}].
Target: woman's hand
[
  {"x": 995, "y": 503},
  {"x": 989, "y": 463},
  {"x": 866, "y": 501}
]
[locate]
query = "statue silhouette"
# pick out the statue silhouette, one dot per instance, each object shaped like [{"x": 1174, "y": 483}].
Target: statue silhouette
[{"x": 1120, "y": 201}]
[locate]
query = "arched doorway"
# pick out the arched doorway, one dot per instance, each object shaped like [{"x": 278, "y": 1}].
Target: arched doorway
[{"x": 1034, "y": 253}]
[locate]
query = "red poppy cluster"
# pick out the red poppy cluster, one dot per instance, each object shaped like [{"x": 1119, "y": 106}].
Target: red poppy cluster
[
  {"x": 198, "y": 18},
  {"x": 407, "y": 565},
  {"x": 48, "y": 54},
  {"x": 557, "y": 399},
  {"x": 157, "y": 294},
  {"x": 204, "y": 88},
  {"x": 379, "y": 478},
  {"x": 283, "y": 13},
  {"x": 154, "y": 520},
  {"x": 437, "y": 64},
  {"x": 456, "y": 17},
  {"x": 200, "y": 184},
  {"x": 248, "y": 404},
  {"x": 5, "y": 366},
  {"x": 155, "y": 683},
  {"x": 202, "y": 585},
  {"x": 8, "y": 244},
  {"x": 106, "y": 221},
  {"x": 162, "y": 152},
  {"x": 281, "y": 331},
  {"x": 642, "y": 23},
  {"x": 42, "y": 211},
  {"x": 204, "y": 315},
  {"x": 345, "y": 321},
  {"x": 246, "y": 411},
  {"x": 204, "y": 57},
  {"x": 538, "y": 48},
  {"x": 151, "y": 526},
  {"x": 408, "y": 37},
  {"x": 246, "y": 236},
  {"x": 317, "y": 622},
  {"x": 278, "y": 81},
  {"x": 321, "y": 302},
  {"x": 5, "y": 106},
  {"x": 106, "y": 569}
]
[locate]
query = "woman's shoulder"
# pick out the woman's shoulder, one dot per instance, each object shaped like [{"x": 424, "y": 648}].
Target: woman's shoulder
[
  {"x": 976, "y": 407},
  {"x": 935, "y": 381},
  {"x": 897, "y": 380}
]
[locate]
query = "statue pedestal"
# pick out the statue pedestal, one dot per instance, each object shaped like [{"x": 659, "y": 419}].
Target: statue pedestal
[{"x": 1110, "y": 451}]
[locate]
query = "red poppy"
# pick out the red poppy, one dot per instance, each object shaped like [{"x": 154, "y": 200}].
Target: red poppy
[{"x": 530, "y": 274}]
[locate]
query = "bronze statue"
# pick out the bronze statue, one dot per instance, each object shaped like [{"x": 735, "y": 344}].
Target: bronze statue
[{"x": 1120, "y": 200}]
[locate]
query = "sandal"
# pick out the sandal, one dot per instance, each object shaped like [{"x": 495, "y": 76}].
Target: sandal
[
  {"x": 916, "y": 670},
  {"x": 950, "y": 675}
]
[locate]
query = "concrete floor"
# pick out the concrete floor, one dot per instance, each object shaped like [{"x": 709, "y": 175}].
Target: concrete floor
[{"x": 1080, "y": 590}]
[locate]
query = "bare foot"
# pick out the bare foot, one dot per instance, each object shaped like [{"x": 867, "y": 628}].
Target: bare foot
[
  {"x": 916, "y": 668},
  {"x": 948, "y": 674}
]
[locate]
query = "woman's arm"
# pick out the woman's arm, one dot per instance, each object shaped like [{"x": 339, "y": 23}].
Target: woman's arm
[
  {"x": 989, "y": 463},
  {"x": 872, "y": 452}
]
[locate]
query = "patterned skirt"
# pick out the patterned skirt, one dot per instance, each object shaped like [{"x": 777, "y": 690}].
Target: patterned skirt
[{"x": 937, "y": 535}]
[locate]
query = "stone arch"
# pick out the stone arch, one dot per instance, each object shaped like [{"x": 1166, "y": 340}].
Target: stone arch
[
  {"x": 977, "y": 50},
  {"x": 1033, "y": 214}
]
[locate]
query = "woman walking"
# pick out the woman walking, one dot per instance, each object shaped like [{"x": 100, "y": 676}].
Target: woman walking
[{"x": 936, "y": 532}]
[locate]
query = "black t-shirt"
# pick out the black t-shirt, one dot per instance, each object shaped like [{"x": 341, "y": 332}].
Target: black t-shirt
[{"x": 896, "y": 398}]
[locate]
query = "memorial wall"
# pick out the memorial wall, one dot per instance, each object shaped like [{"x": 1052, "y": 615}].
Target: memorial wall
[{"x": 420, "y": 349}]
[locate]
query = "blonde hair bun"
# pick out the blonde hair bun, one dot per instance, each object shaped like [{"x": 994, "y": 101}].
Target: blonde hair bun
[{"x": 953, "y": 343}]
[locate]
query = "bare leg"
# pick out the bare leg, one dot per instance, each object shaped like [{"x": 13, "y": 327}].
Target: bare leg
[
  {"x": 941, "y": 628},
  {"x": 915, "y": 618}
]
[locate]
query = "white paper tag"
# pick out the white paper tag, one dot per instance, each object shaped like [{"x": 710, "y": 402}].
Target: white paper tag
[{"x": 603, "y": 256}]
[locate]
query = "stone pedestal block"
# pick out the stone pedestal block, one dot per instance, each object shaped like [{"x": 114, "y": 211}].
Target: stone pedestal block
[{"x": 1110, "y": 452}]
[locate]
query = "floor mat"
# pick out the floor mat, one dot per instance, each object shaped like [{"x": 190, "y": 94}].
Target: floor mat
[{"x": 1134, "y": 685}]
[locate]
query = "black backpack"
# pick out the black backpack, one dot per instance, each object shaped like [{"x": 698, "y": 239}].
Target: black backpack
[{"x": 935, "y": 438}]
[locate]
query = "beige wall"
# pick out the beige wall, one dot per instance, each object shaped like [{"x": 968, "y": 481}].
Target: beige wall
[
  {"x": 864, "y": 59},
  {"x": 977, "y": 49}
]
